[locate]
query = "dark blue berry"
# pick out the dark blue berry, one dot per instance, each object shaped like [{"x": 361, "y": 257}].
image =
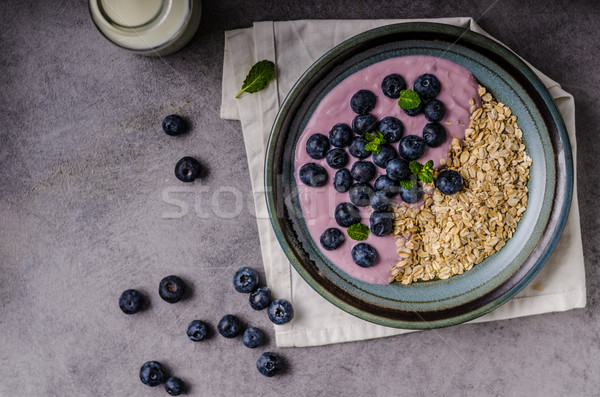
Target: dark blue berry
[
  {"x": 152, "y": 373},
  {"x": 280, "y": 312},
  {"x": 412, "y": 147},
  {"x": 357, "y": 148},
  {"x": 392, "y": 84},
  {"x": 245, "y": 280},
  {"x": 449, "y": 182},
  {"x": 260, "y": 299},
  {"x": 171, "y": 289},
  {"x": 360, "y": 194},
  {"x": 381, "y": 201},
  {"x": 413, "y": 195},
  {"x": 397, "y": 169},
  {"x": 337, "y": 158},
  {"x": 332, "y": 238},
  {"x": 342, "y": 180},
  {"x": 131, "y": 301},
  {"x": 174, "y": 386},
  {"x": 434, "y": 111},
  {"x": 414, "y": 111},
  {"x": 313, "y": 175},
  {"x": 427, "y": 86},
  {"x": 253, "y": 337},
  {"x": 317, "y": 146},
  {"x": 363, "y": 171},
  {"x": 363, "y": 101},
  {"x": 230, "y": 326},
  {"x": 187, "y": 169},
  {"x": 173, "y": 125},
  {"x": 387, "y": 185},
  {"x": 386, "y": 154},
  {"x": 364, "y": 123},
  {"x": 391, "y": 128},
  {"x": 346, "y": 214},
  {"x": 364, "y": 255},
  {"x": 434, "y": 134},
  {"x": 269, "y": 364},
  {"x": 197, "y": 330},
  {"x": 382, "y": 223},
  {"x": 341, "y": 135}
]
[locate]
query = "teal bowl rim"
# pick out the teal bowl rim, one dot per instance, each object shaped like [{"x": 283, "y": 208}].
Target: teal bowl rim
[{"x": 552, "y": 231}]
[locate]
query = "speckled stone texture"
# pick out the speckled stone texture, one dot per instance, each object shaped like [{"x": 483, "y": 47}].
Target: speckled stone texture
[{"x": 87, "y": 210}]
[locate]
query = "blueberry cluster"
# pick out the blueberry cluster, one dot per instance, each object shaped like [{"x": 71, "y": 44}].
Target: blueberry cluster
[
  {"x": 153, "y": 373},
  {"x": 394, "y": 157}
]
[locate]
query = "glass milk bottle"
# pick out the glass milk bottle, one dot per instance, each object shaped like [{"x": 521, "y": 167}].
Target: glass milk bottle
[{"x": 147, "y": 27}]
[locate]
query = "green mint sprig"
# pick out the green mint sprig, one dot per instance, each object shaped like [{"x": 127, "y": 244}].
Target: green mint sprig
[
  {"x": 258, "y": 77},
  {"x": 423, "y": 172},
  {"x": 375, "y": 142},
  {"x": 358, "y": 231},
  {"x": 409, "y": 100},
  {"x": 407, "y": 184}
]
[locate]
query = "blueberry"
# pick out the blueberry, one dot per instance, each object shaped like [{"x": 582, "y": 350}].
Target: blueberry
[
  {"x": 363, "y": 101},
  {"x": 229, "y": 326},
  {"x": 313, "y": 175},
  {"x": 197, "y": 330},
  {"x": 260, "y": 299},
  {"x": 364, "y": 255},
  {"x": 337, "y": 158},
  {"x": 332, "y": 238},
  {"x": 187, "y": 169},
  {"x": 391, "y": 128},
  {"x": 392, "y": 84},
  {"x": 346, "y": 214},
  {"x": 280, "y": 312},
  {"x": 317, "y": 146},
  {"x": 357, "y": 148},
  {"x": 427, "y": 86},
  {"x": 387, "y": 185},
  {"x": 382, "y": 223},
  {"x": 174, "y": 386},
  {"x": 363, "y": 124},
  {"x": 253, "y": 337},
  {"x": 173, "y": 125},
  {"x": 245, "y": 280},
  {"x": 412, "y": 147},
  {"x": 342, "y": 180},
  {"x": 449, "y": 182},
  {"x": 413, "y": 195},
  {"x": 381, "y": 201},
  {"x": 269, "y": 364},
  {"x": 363, "y": 171},
  {"x": 397, "y": 169},
  {"x": 386, "y": 154},
  {"x": 131, "y": 301},
  {"x": 152, "y": 373},
  {"x": 341, "y": 135},
  {"x": 434, "y": 111},
  {"x": 434, "y": 134},
  {"x": 171, "y": 289},
  {"x": 360, "y": 194},
  {"x": 415, "y": 111}
]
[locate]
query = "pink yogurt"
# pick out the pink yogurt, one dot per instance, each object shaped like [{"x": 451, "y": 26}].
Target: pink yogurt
[{"x": 318, "y": 204}]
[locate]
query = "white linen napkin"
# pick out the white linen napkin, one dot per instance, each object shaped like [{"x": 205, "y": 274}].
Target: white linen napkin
[{"x": 294, "y": 46}]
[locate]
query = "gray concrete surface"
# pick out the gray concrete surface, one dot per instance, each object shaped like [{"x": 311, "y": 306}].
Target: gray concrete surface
[{"x": 83, "y": 170}]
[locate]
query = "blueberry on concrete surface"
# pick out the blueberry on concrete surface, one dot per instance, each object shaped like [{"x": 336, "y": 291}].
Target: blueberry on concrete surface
[
  {"x": 280, "y": 312},
  {"x": 342, "y": 180},
  {"x": 434, "y": 111},
  {"x": 363, "y": 102},
  {"x": 427, "y": 86},
  {"x": 260, "y": 299},
  {"x": 360, "y": 194},
  {"x": 253, "y": 337},
  {"x": 131, "y": 301},
  {"x": 387, "y": 185},
  {"x": 152, "y": 373},
  {"x": 332, "y": 238},
  {"x": 173, "y": 125},
  {"x": 364, "y": 255},
  {"x": 412, "y": 195},
  {"x": 341, "y": 135},
  {"x": 434, "y": 134},
  {"x": 229, "y": 326},
  {"x": 392, "y": 84},
  {"x": 171, "y": 289},
  {"x": 317, "y": 146},
  {"x": 391, "y": 128},
  {"x": 174, "y": 386},
  {"x": 381, "y": 201},
  {"x": 363, "y": 171},
  {"x": 397, "y": 169},
  {"x": 386, "y": 153},
  {"x": 412, "y": 147},
  {"x": 337, "y": 158},
  {"x": 187, "y": 169},
  {"x": 346, "y": 214},
  {"x": 313, "y": 175},
  {"x": 449, "y": 182},
  {"x": 382, "y": 223},
  {"x": 197, "y": 330},
  {"x": 245, "y": 280},
  {"x": 357, "y": 148},
  {"x": 269, "y": 364},
  {"x": 364, "y": 123}
]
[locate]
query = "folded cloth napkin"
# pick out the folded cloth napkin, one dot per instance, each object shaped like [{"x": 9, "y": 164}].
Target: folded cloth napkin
[{"x": 294, "y": 46}]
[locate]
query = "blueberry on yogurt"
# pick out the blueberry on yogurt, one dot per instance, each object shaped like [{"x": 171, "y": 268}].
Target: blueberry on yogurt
[
  {"x": 313, "y": 175},
  {"x": 434, "y": 111},
  {"x": 382, "y": 223},
  {"x": 337, "y": 158},
  {"x": 346, "y": 214},
  {"x": 363, "y": 124},
  {"x": 414, "y": 111},
  {"x": 392, "y": 84},
  {"x": 363, "y": 102},
  {"x": 391, "y": 128},
  {"x": 380, "y": 201},
  {"x": 412, "y": 147},
  {"x": 434, "y": 134},
  {"x": 427, "y": 86},
  {"x": 397, "y": 169},
  {"x": 317, "y": 146},
  {"x": 360, "y": 194},
  {"x": 332, "y": 238},
  {"x": 449, "y": 182},
  {"x": 341, "y": 135},
  {"x": 387, "y": 185},
  {"x": 412, "y": 195},
  {"x": 364, "y": 255},
  {"x": 386, "y": 154},
  {"x": 342, "y": 180},
  {"x": 357, "y": 148},
  {"x": 363, "y": 171}
]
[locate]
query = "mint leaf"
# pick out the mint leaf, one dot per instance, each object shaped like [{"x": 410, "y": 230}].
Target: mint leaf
[
  {"x": 409, "y": 100},
  {"x": 407, "y": 184},
  {"x": 373, "y": 147},
  {"x": 258, "y": 77},
  {"x": 375, "y": 142},
  {"x": 369, "y": 137},
  {"x": 358, "y": 231},
  {"x": 426, "y": 175},
  {"x": 415, "y": 167},
  {"x": 429, "y": 165}
]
